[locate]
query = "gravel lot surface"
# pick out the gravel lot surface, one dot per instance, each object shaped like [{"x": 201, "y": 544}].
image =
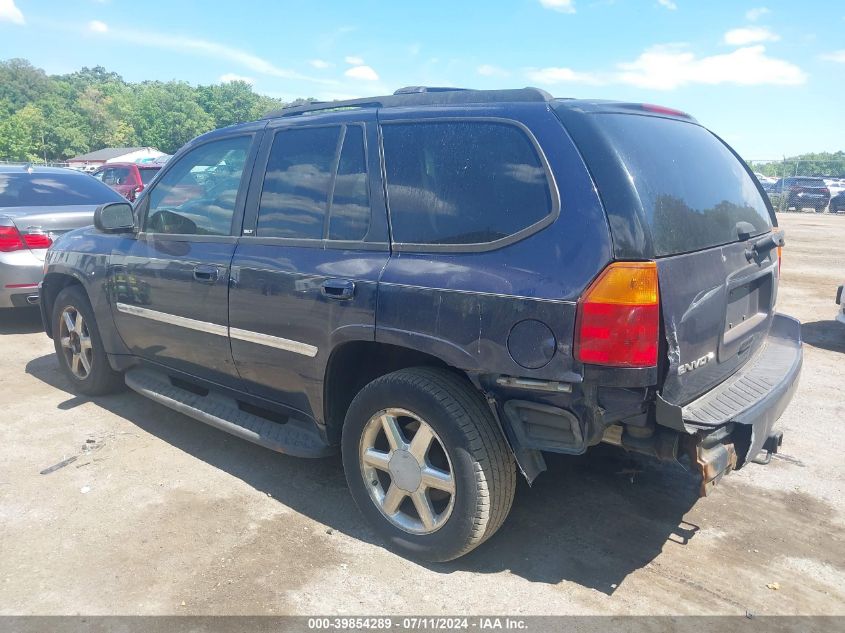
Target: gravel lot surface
[{"x": 160, "y": 514}]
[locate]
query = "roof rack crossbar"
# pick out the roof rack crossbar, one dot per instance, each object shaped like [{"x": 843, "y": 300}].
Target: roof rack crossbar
[{"x": 420, "y": 97}]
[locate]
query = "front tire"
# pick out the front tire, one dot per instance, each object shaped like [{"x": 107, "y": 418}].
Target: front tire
[
  {"x": 427, "y": 463},
  {"x": 79, "y": 346}
]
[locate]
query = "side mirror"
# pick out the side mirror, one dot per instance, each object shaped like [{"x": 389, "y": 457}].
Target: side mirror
[{"x": 115, "y": 217}]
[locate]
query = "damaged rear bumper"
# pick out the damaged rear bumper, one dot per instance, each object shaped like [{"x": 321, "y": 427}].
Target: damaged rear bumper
[{"x": 730, "y": 425}]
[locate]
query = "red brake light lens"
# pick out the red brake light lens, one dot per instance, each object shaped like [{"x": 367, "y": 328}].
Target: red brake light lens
[
  {"x": 618, "y": 322},
  {"x": 10, "y": 239},
  {"x": 37, "y": 240},
  {"x": 657, "y": 109}
]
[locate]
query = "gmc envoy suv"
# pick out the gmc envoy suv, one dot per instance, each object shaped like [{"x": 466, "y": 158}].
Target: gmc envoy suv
[{"x": 444, "y": 285}]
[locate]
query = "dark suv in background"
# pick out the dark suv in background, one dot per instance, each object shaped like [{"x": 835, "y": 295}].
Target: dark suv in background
[
  {"x": 799, "y": 193},
  {"x": 445, "y": 284}
]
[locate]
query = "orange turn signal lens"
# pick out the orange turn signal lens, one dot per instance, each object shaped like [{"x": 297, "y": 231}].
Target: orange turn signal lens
[{"x": 626, "y": 283}]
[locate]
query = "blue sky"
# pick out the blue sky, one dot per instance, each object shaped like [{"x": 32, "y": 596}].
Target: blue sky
[{"x": 768, "y": 76}]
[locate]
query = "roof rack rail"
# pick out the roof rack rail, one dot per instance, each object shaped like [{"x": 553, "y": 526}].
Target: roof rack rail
[{"x": 419, "y": 96}]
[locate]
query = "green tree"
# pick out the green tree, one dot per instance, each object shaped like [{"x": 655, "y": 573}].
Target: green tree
[
  {"x": 168, "y": 115},
  {"x": 21, "y": 134}
]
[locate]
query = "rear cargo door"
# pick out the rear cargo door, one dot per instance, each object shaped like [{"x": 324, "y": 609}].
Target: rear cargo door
[{"x": 704, "y": 213}]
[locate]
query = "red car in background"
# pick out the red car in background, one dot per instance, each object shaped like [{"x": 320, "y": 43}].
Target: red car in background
[{"x": 128, "y": 179}]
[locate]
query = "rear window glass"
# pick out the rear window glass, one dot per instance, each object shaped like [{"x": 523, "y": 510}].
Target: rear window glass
[
  {"x": 147, "y": 175},
  {"x": 693, "y": 189},
  {"x": 462, "y": 182},
  {"x": 806, "y": 182},
  {"x": 53, "y": 190}
]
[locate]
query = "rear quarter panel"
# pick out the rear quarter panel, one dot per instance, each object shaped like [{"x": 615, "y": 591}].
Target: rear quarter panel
[{"x": 461, "y": 306}]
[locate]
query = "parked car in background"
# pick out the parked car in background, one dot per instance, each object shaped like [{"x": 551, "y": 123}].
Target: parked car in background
[
  {"x": 37, "y": 204},
  {"x": 835, "y": 185},
  {"x": 800, "y": 193},
  {"x": 837, "y": 203},
  {"x": 128, "y": 179},
  {"x": 840, "y": 301},
  {"x": 444, "y": 285}
]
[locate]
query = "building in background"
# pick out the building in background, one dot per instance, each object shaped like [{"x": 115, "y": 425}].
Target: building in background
[{"x": 92, "y": 160}]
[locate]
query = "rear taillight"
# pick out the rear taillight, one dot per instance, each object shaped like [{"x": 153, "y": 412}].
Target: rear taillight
[
  {"x": 37, "y": 240},
  {"x": 618, "y": 322},
  {"x": 10, "y": 239},
  {"x": 780, "y": 259}
]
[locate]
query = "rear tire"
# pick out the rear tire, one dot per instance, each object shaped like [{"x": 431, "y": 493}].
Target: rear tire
[
  {"x": 464, "y": 482},
  {"x": 79, "y": 346}
]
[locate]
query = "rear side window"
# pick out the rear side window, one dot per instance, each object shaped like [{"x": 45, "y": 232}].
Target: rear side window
[
  {"x": 295, "y": 194},
  {"x": 462, "y": 182},
  {"x": 53, "y": 189},
  {"x": 693, "y": 190},
  {"x": 349, "y": 216}
]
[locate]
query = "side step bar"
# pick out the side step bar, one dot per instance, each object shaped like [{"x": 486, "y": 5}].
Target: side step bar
[{"x": 295, "y": 437}]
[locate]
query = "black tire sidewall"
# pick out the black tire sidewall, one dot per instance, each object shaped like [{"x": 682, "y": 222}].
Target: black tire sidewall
[
  {"x": 101, "y": 379},
  {"x": 448, "y": 541}
]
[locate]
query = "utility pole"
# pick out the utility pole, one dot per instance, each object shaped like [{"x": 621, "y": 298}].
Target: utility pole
[{"x": 43, "y": 147}]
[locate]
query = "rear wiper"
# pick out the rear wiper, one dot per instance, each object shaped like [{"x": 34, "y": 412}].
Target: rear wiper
[{"x": 765, "y": 244}]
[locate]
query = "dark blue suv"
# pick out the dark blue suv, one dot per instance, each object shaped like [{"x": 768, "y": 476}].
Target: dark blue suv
[{"x": 445, "y": 284}]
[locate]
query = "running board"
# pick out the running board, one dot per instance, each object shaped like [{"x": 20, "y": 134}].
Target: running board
[{"x": 295, "y": 437}]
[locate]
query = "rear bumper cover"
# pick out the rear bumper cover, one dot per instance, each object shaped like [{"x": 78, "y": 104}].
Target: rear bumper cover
[{"x": 754, "y": 397}]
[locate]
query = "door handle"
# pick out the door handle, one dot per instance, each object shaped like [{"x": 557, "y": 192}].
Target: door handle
[
  {"x": 338, "y": 289},
  {"x": 206, "y": 273}
]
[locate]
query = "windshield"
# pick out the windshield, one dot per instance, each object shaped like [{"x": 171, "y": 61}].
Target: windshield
[
  {"x": 147, "y": 174},
  {"x": 692, "y": 188},
  {"x": 53, "y": 189}
]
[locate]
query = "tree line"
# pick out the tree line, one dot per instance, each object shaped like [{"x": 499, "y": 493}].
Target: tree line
[
  {"x": 55, "y": 117},
  {"x": 812, "y": 164}
]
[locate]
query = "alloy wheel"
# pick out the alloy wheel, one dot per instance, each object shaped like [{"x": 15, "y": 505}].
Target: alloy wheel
[
  {"x": 407, "y": 471},
  {"x": 76, "y": 342}
]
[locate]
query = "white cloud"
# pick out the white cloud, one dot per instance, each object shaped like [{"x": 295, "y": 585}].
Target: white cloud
[
  {"x": 224, "y": 79},
  {"x": 752, "y": 15},
  {"x": 561, "y": 6},
  {"x": 208, "y": 49},
  {"x": 670, "y": 67},
  {"x": 362, "y": 72},
  {"x": 355, "y": 61},
  {"x": 835, "y": 56},
  {"x": 95, "y": 26},
  {"x": 9, "y": 12},
  {"x": 749, "y": 35},
  {"x": 668, "y": 4},
  {"x": 557, "y": 75},
  {"x": 488, "y": 70},
  {"x": 319, "y": 63}
]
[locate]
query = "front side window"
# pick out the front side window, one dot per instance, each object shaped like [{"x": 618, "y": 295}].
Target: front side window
[
  {"x": 197, "y": 195},
  {"x": 462, "y": 182},
  {"x": 295, "y": 194}
]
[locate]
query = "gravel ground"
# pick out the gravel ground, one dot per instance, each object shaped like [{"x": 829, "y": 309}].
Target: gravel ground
[{"x": 159, "y": 514}]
